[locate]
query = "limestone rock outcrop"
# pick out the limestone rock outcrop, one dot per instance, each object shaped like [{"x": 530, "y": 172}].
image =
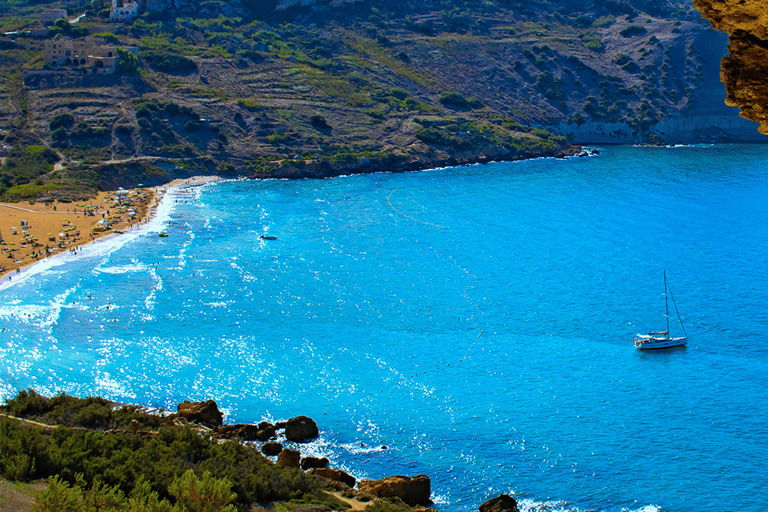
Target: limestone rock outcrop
[
  {"x": 736, "y": 15},
  {"x": 261, "y": 432},
  {"x": 301, "y": 429},
  {"x": 206, "y": 413},
  {"x": 745, "y": 75},
  {"x": 412, "y": 490},
  {"x": 745, "y": 71},
  {"x": 503, "y": 503},
  {"x": 336, "y": 475},
  {"x": 289, "y": 458}
]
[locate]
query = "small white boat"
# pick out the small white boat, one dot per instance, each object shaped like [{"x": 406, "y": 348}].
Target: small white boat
[{"x": 661, "y": 339}]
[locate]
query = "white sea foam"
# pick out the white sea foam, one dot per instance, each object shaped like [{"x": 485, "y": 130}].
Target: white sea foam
[
  {"x": 101, "y": 247},
  {"x": 529, "y": 505}
]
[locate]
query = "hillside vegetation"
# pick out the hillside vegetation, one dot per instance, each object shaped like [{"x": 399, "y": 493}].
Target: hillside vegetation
[
  {"x": 101, "y": 457},
  {"x": 274, "y": 89}
]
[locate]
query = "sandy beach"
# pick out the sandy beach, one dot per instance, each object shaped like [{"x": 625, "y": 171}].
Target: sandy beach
[{"x": 30, "y": 233}]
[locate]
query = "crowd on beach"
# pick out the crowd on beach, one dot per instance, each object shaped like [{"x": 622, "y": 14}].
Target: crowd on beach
[
  {"x": 30, "y": 232},
  {"x": 33, "y": 231}
]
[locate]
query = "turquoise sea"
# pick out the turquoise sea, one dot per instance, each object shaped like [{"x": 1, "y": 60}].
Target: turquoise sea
[{"x": 477, "y": 321}]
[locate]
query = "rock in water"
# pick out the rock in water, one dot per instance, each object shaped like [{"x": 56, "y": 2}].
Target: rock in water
[
  {"x": 313, "y": 462},
  {"x": 504, "y": 503},
  {"x": 301, "y": 429},
  {"x": 205, "y": 413},
  {"x": 271, "y": 448},
  {"x": 413, "y": 491},
  {"x": 289, "y": 458}
]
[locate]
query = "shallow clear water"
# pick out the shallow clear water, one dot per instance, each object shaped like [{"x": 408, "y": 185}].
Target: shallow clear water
[{"x": 477, "y": 320}]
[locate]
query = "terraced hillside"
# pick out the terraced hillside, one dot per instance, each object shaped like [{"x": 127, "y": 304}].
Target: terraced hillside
[{"x": 323, "y": 88}]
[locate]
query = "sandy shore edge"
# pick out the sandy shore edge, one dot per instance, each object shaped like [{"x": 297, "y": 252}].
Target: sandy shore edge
[{"x": 41, "y": 240}]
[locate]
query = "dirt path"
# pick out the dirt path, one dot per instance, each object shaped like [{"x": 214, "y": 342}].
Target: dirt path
[{"x": 19, "y": 497}]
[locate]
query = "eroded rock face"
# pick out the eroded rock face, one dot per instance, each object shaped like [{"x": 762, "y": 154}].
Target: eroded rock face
[
  {"x": 734, "y": 15},
  {"x": 745, "y": 75},
  {"x": 413, "y": 491},
  {"x": 206, "y": 413},
  {"x": 745, "y": 71},
  {"x": 289, "y": 458},
  {"x": 336, "y": 475}
]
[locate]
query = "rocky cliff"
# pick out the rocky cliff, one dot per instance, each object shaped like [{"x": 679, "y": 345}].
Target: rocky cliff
[{"x": 745, "y": 71}]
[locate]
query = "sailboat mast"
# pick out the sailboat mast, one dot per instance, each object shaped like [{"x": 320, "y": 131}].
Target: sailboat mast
[{"x": 666, "y": 302}]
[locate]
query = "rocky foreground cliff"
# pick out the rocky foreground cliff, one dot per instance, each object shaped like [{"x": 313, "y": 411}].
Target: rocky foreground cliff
[
  {"x": 745, "y": 69},
  {"x": 100, "y": 456}
]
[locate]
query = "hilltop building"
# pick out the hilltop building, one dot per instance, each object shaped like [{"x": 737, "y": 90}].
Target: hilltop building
[
  {"x": 122, "y": 10},
  {"x": 53, "y": 15},
  {"x": 85, "y": 56}
]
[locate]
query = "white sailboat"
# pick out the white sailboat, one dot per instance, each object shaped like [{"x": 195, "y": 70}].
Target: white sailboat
[{"x": 656, "y": 340}]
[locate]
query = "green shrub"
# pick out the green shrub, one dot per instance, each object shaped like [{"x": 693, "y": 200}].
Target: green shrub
[
  {"x": 192, "y": 493},
  {"x": 59, "y": 134},
  {"x": 623, "y": 59},
  {"x": 319, "y": 121},
  {"x": 432, "y": 136},
  {"x": 633, "y": 30},
  {"x": 124, "y": 129},
  {"x": 592, "y": 41},
  {"x": 167, "y": 62},
  {"x": 65, "y": 120},
  {"x": 191, "y": 126},
  {"x": 127, "y": 63},
  {"x": 457, "y": 100}
]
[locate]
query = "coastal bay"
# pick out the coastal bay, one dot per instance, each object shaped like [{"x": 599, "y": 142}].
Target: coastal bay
[{"x": 476, "y": 320}]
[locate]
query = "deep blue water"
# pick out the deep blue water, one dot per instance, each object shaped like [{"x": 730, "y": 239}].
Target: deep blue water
[{"x": 477, "y": 321}]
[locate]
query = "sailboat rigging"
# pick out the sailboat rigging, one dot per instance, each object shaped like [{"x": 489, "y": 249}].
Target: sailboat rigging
[{"x": 661, "y": 339}]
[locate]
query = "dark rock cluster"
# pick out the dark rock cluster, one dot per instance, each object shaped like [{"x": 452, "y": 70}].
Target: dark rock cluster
[{"x": 414, "y": 491}]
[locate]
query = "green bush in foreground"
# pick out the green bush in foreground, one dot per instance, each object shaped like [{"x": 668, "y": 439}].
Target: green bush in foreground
[
  {"x": 70, "y": 411},
  {"x": 191, "y": 493},
  {"x": 130, "y": 458}
]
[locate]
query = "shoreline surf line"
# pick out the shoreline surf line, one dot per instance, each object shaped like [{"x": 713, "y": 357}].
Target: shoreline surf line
[{"x": 18, "y": 271}]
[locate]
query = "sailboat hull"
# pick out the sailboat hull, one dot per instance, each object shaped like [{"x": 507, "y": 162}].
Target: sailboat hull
[{"x": 650, "y": 343}]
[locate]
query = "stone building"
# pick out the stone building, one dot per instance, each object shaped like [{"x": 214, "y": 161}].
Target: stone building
[
  {"x": 85, "y": 56},
  {"x": 53, "y": 15},
  {"x": 122, "y": 10}
]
